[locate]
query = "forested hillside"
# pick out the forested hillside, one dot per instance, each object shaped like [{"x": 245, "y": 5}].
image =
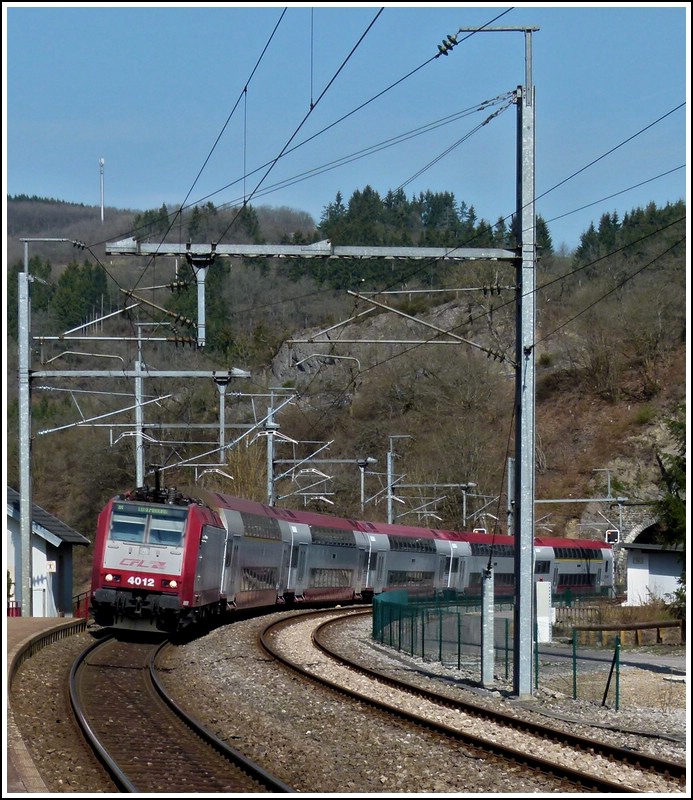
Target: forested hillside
[{"x": 423, "y": 367}]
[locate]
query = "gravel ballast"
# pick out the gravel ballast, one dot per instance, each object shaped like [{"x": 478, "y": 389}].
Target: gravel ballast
[{"x": 309, "y": 739}]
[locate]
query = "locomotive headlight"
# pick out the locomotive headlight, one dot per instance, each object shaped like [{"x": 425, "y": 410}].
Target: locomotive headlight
[
  {"x": 108, "y": 577},
  {"x": 172, "y": 584}
]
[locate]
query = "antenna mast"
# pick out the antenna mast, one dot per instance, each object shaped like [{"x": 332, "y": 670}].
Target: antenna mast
[{"x": 101, "y": 163}]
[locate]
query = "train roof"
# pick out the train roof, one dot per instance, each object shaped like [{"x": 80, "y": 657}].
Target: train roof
[
  {"x": 218, "y": 500},
  {"x": 476, "y": 537},
  {"x": 584, "y": 544},
  {"x": 401, "y": 530}
]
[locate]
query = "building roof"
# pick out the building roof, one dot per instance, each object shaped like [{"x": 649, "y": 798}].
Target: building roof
[
  {"x": 667, "y": 548},
  {"x": 44, "y": 523}
]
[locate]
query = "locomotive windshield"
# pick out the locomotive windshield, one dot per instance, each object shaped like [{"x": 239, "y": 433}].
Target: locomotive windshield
[{"x": 148, "y": 525}]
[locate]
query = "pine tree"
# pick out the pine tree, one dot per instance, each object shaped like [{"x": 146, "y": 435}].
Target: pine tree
[{"x": 671, "y": 507}]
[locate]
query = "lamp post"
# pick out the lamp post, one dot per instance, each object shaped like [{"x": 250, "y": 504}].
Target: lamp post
[
  {"x": 390, "y": 474},
  {"x": 465, "y": 488},
  {"x": 364, "y": 463},
  {"x": 24, "y": 377}
]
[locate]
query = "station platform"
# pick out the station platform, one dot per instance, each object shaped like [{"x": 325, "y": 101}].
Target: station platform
[{"x": 20, "y": 775}]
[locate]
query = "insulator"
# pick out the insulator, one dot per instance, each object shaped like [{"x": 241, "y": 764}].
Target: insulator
[{"x": 182, "y": 340}]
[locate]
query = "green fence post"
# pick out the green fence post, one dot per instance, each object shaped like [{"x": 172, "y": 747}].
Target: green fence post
[
  {"x": 412, "y": 612},
  {"x": 459, "y": 641},
  {"x": 617, "y": 656},
  {"x": 614, "y": 665},
  {"x": 574, "y": 664},
  {"x": 440, "y": 635},
  {"x": 423, "y": 634},
  {"x": 536, "y": 656}
]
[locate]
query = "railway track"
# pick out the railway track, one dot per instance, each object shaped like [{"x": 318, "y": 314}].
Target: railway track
[
  {"x": 578, "y": 762},
  {"x": 145, "y": 741}
]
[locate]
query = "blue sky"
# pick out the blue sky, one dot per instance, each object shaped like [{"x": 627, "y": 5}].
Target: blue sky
[{"x": 158, "y": 92}]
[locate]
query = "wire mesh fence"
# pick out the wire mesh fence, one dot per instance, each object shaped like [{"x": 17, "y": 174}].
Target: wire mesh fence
[{"x": 448, "y": 631}]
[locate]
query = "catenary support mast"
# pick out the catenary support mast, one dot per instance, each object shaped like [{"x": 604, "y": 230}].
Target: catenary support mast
[{"x": 524, "y": 388}]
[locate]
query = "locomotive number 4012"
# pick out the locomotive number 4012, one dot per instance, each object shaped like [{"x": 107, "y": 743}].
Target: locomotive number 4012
[{"x": 138, "y": 580}]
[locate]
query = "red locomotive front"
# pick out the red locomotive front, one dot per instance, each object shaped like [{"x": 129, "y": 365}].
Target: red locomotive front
[{"x": 145, "y": 558}]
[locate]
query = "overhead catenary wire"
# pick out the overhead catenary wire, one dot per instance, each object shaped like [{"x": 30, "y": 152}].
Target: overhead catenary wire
[
  {"x": 274, "y": 161},
  {"x": 178, "y": 213},
  {"x": 609, "y": 152},
  {"x": 557, "y": 279},
  {"x": 616, "y": 194},
  {"x": 303, "y": 121},
  {"x": 441, "y": 156},
  {"x": 563, "y": 181},
  {"x": 241, "y": 96},
  {"x": 373, "y": 98},
  {"x": 454, "y": 145},
  {"x": 621, "y": 283},
  {"x": 357, "y": 155},
  {"x": 288, "y": 150}
]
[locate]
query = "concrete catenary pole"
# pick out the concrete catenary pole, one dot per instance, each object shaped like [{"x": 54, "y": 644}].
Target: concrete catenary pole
[
  {"x": 24, "y": 398},
  {"x": 524, "y": 387}
]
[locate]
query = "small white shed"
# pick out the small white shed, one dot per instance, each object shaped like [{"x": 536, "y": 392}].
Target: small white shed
[
  {"x": 652, "y": 571},
  {"x": 51, "y": 553}
]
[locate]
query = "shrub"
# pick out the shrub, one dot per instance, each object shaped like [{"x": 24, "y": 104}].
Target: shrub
[
  {"x": 655, "y": 610},
  {"x": 644, "y": 415},
  {"x": 677, "y": 607}
]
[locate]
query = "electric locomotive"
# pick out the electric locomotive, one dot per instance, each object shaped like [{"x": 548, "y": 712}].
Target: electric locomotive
[
  {"x": 164, "y": 560},
  {"x": 158, "y": 558}
]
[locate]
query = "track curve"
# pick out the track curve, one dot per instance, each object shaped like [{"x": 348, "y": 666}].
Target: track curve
[
  {"x": 145, "y": 741},
  {"x": 601, "y": 767}
]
